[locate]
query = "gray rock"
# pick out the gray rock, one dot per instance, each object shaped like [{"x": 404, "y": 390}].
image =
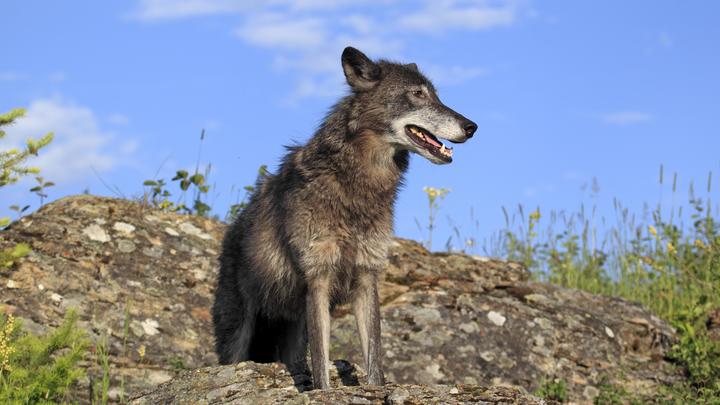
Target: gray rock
[{"x": 435, "y": 314}]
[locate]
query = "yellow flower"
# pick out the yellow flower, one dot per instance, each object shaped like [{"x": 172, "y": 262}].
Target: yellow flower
[
  {"x": 535, "y": 215},
  {"x": 5, "y": 349},
  {"x": 671, "y": 248},
  {"x": 652, "y": 230},
  {"x": 141, "y": 351},
  {"x": 433, "y": 192},
  {"x": 700, "y": 244}
]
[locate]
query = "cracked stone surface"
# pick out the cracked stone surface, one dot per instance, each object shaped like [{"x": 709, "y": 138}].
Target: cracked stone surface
[
  {"x": 251, "y": 383},
  {"x": 446, "y": 318}
]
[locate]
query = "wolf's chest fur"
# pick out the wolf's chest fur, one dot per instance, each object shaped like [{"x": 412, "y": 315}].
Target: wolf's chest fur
[{"x": 335, "y": 219}]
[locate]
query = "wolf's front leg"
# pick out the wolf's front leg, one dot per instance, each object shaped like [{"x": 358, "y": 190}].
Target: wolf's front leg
[
  {"x": 318, "y": 324},
  {"x": 366, "y": 307}
]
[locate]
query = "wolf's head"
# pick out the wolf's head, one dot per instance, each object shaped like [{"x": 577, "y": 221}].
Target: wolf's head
[{"x": 397, "y": 101}]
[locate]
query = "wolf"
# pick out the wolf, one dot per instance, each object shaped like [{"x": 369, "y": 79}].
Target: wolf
[{"x": 316, "y": 233}]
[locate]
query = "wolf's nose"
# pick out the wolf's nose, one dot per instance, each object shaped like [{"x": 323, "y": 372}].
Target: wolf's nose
[{"x": 469, "y": 127}]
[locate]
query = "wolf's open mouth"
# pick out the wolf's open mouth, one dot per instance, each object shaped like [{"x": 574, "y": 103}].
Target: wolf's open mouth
[{"x": 429, "y": 142}]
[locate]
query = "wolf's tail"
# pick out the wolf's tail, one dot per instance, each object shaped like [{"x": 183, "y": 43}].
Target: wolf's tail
[{"x": 242, "y": 332}]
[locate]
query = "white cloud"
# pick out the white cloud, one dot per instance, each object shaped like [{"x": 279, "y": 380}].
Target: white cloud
[
  {"x": 150, "y": 10},
  {"x": 118, "y": 119},
  {"x": 306, "y": 37},
  {"x": 79, "y": 144},
  {"x": 626, "y": 118},
  {"x": 452, "y": 75},
  {"x": 57, "y": 77},
  {"x": 280, "y": 32},
  {"x": 10, "y": 77},
  {"x": 443, "y": 15}
]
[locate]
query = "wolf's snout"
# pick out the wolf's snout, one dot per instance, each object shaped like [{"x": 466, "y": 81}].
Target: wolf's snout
[{"x": 469, "y": 127}]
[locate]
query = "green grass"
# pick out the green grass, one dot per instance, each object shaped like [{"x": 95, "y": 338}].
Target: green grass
[{"x": 669, "y": 262}]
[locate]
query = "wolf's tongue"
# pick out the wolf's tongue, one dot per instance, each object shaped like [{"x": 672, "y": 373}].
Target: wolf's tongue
[{"x": 433, "y": 142}]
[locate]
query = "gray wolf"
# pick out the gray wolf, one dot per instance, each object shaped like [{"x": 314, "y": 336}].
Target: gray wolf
[{"x": 316, "y": 233}]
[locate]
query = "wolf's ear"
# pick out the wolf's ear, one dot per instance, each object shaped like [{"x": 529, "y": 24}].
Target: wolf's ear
[
  {"x": 361, "y": 73},
  {"x": 413, "y": 66}
]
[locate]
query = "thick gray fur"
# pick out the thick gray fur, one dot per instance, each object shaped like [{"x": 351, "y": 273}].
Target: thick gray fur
[{"x": 316, "y": 234}]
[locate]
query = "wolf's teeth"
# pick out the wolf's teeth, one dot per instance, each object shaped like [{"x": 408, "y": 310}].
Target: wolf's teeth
[{"x": 442, "y": 149}]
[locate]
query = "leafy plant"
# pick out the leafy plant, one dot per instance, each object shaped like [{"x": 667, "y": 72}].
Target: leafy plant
[
  {"x": 39, "y": 189},
  {"x": 8, "y": 257},
  {"x": 12, "y": 161},
  {"x": 553, "y": 389},
  {"x": 611, "y": 394},
  {"x": 40, "y": 369},
  {"x": 197, "y": 182},
  {"x": 159, "y": 196}
]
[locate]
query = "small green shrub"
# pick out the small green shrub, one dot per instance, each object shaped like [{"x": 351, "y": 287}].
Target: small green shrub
[
  {"x": 12, "y": 162},
  {"x": 552, "y": 389},
  {"x": 40, "y": 369},
  {"x": 158, "y": 196},
  {"x": 8, "y": 257},
  {"x": 12, "y": 168}
]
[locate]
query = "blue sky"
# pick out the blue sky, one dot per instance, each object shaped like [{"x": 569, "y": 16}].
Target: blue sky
[{"x": 563, "y": 92}]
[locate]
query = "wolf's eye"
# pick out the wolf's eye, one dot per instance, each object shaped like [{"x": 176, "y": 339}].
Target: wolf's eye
[{"x": 418, "y": 93}]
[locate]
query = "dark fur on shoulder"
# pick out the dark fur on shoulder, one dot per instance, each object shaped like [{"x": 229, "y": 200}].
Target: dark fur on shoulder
[{"x": 316, "y": 233}]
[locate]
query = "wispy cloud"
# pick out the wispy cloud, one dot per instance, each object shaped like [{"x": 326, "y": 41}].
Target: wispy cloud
[
  {"x": 626, "y": 118},
  {"x": 118, "y": 119},
  {"x": 11, "y": 76},
  {"x": 153, "y": 10},
  {"x": 57, "y": 76},
  {"x": 307, "y": 36},
  {"x": 80, "y": 143},
  {"x": 443, "y": 15},
  {"x": 452, "y": 75},
  {"x": 284, "y": 33}
]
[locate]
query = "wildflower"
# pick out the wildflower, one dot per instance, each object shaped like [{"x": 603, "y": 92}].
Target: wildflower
[
  {"x": 433, "y": 192},
  {"x": 535, "y": 215},
  {"x": 652, "y": 230},
  {"x": 5, "y": 349},
  {"x": 141, "y": 351},
  {"x": 700, "y": 244},
  {"x": 670, "y": 248}
]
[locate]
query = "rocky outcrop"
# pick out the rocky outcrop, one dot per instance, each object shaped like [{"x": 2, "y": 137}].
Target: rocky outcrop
[
  {"x": 252, "y": 384},
  {"x": 139, "y": 277},
  {"x": 457, "y": 318},
  {"x": 144, "y": 280}
]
